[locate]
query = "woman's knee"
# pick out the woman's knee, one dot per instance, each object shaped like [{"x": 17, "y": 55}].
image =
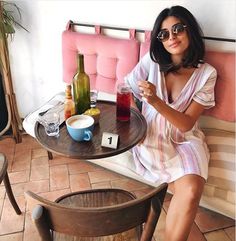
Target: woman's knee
[
  {"x": 190, "y": 189},
  {"x": 193, "y": 193}
]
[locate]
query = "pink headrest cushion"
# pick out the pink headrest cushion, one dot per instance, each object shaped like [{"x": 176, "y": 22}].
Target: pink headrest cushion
[
  {"x": 107, "y": 60},
  {"x": 144, "y": 46},
  {"x": 225, "y": 84}
]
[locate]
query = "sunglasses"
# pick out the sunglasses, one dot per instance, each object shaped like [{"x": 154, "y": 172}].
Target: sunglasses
[{"x": 176, "y": 30}]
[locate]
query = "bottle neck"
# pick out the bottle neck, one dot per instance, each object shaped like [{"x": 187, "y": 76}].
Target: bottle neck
[
  {"x": 68, "y": 97},
  {"x": 68, "y": 92},
  {"x": 80, "y": 63}
]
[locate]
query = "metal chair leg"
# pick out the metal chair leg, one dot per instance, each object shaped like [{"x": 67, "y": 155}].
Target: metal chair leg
[{"x": 10, "y": 194}]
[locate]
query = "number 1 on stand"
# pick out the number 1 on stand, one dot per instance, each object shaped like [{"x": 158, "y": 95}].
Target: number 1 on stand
[{"x": 110, "y": 140}]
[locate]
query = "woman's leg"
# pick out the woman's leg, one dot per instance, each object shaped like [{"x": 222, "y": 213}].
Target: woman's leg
[{"x": 187, "y": 192}]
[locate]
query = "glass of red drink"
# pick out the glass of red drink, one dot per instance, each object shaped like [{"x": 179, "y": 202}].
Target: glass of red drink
[{"x": 123, "y": 100}]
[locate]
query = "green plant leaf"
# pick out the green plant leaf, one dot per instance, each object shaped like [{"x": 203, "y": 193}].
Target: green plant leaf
[
  {"x": 8, "y": 28},
  {"x": 7, "y": 24},
  {"x": 7, "y": 20}
]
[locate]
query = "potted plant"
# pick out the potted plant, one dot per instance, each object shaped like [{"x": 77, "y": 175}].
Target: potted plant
[{"x": 7, "y": 29}]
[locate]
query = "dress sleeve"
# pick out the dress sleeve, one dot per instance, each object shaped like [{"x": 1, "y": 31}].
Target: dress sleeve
[
  {"x": 206, "y": 96},
  {"x": 140, "y": 72}
]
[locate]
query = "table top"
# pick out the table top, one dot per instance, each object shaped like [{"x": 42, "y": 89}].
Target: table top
[{"x": 130, "y": 133}]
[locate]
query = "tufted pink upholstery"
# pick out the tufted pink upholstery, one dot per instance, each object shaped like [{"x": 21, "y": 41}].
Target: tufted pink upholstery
[
  {"x": 225, "y": 85},
  {"x": 144, "y": 47},
  {"x": 107, "y": 59}
]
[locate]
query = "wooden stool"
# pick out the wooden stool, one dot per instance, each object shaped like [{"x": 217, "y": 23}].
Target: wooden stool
[{"x": 5, "y": 178}]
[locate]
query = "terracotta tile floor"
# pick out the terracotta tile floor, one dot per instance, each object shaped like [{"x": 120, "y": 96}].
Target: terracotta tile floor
[{"x": 30, "y": 169}]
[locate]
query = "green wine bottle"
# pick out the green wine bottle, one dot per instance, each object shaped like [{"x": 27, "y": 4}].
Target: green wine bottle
[{"x": 81, "y": 87}]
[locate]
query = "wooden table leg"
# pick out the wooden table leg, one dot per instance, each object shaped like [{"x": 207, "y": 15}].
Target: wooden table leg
[{"x": 50, "y": 156}]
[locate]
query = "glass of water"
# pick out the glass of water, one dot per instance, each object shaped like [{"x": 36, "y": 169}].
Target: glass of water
[
  {"x": 51, "y": 122},
  {"x": 93, "y": 98}
]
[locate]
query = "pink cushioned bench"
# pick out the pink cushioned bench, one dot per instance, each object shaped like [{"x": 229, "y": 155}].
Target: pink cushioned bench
[{"x": 108, "y": 60}]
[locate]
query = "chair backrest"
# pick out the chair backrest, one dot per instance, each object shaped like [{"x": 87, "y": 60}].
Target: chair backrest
[{"x": 99, "y": 212}]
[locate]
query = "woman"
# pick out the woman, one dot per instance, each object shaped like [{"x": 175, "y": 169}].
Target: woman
[{"x": 175, "y": 86}]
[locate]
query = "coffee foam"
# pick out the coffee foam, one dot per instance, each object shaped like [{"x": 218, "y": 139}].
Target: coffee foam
[{"x": 80, "y": 123}]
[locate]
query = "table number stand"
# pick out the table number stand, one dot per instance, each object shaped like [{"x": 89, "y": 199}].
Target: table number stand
[{"x": 110, "y": 140}]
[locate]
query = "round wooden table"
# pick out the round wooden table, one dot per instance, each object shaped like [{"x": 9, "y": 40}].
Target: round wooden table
[{"x": 130, "y": 133}]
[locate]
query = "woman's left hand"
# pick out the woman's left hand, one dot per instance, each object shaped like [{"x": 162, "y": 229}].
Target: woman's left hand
[{"x": 147, "y": 91}]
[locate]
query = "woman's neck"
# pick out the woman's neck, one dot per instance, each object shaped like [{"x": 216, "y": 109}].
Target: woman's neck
[
  {"x": 177, "y": 59},
  {"x": 183, "y": 71}
]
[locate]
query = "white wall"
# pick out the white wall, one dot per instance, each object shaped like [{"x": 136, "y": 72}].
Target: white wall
[{"x": 36, "y": 59}]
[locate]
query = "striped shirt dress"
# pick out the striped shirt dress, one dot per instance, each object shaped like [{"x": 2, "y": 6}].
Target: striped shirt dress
[{"x": 167, "y": 154}]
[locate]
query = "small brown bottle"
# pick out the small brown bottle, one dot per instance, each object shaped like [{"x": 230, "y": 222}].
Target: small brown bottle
[{"x": 69, "y": 105}]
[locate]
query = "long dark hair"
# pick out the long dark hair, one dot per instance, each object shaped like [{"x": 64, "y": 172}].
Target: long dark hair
[{"x": 196, "y": 49}]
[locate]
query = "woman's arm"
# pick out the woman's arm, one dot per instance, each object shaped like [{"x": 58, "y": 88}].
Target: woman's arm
[{"x": 183, "y": 121}]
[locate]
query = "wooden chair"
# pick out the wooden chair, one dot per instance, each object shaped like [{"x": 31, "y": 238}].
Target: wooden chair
[
  {"x": 99, "y": 214},
  {"x": 5, "y": 178}
]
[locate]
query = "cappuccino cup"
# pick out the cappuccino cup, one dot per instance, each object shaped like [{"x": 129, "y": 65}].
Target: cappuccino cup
[{"x": 80, "y": 127}]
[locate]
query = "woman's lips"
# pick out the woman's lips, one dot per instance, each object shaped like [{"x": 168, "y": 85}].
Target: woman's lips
[{"x": 174, "y": 45}]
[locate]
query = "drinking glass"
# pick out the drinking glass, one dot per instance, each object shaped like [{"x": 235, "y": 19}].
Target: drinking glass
[
  {"x": 123, "y": 100},
  {"x": 51, "y": 122},
  {"x": 93, "y": 98}
]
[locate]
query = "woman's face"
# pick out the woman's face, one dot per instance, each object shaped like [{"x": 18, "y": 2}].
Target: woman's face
[{"x": 176, "y": 44}]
